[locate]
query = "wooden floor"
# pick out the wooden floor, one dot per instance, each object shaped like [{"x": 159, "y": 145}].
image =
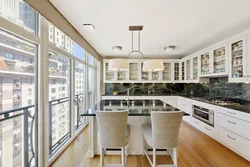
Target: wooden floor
[{"x": 195, "y": 150}]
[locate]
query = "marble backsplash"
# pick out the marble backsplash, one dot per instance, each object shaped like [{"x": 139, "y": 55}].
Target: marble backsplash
[{"x": 218, "y": 88}]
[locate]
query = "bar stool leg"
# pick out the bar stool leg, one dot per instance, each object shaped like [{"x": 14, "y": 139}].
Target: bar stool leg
[
  {"x": 102, "y": 157},
  {"x": 123, "y": 156},
  {"x": 154, "y": 157}
]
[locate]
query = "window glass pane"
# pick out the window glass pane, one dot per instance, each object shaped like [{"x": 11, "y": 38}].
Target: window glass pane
[
  {"x": 20, "y": 13},
  {"x": 59, "y": 101},
  {"x": 91, "y": 87},
  {"x": 91, "y": 59},
  {"x": 64, "y": 42},
  {"x": 79, "y": 94},
  {"x": 17, "y": 90}
]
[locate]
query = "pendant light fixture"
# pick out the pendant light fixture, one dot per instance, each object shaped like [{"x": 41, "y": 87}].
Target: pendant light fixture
[{"x": 148, "y": 65}]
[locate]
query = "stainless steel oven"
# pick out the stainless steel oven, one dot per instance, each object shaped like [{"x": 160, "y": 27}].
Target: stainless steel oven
[{"x": 203, "y": 114}]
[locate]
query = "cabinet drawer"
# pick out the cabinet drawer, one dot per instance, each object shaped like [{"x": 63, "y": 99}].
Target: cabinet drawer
[
  {"x": 210, "y": 131},
  {"x": 234, "y": 113},
  {"x": 196, "y": 123},
  {"x": 235, "y": 141},
  {"x": 235, "y": 125}
]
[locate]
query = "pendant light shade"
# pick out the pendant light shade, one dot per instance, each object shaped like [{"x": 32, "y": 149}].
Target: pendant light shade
[
  {"x": 118, "y": 65},
  {"x": 153, "y": 65}
]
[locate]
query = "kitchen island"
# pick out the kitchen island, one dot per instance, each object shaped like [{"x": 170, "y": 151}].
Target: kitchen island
[{"x": 139, "y": 114}]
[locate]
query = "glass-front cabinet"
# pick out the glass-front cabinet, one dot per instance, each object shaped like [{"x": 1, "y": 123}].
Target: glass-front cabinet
[
  {"x": 121, "y": 75},
  {"x": 219, "y": 57},
  {"x": 109, "y": 75},
  {"x": 144, "y": 75},
  {"x": 238, "y": 60},
  {"x": 176, "y": 71},
  {"x": 195, "y": 68},
  {"x": 183, "y": 71},
  {"x": 166, "y": 73},
  {"x": 205, "y": 64},
  {"x": 188, "y": 70},
  {"x": 133, "y": 72}
]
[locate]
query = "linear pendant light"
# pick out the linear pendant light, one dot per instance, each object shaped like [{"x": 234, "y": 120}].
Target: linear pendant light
[{"x": 148, "y": 65}]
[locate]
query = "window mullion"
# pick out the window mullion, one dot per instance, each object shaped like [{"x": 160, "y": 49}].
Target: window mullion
[{"x": 72, "y": 94}]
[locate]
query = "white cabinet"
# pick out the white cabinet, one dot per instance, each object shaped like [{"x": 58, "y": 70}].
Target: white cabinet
[
  {"x": 185, "y": 104},
  {"x": 177, "y": 69},
  {"x": 220, "y": 60},
  {"x": 235, "y": 125},
  {"x": 166, "y": 74},
  {"x": 134, "y": 71},
  {"x": 206, "y": 67},
  {"x": 235, "y": 142},
  {"x": 135, "y": 74},
  {"x": 239, "y": 60}
]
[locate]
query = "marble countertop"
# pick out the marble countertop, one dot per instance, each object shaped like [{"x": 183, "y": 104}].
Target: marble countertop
[
  {"x": 135, "y": 107},
  {"x": 239, "y": 105}
]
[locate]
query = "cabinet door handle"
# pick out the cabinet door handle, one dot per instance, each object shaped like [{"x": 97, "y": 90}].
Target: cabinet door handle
[
  {"x": 231, "y": 122},
  {"x": 231, "y": 112},
  {"x": 231, "y": 137},
  {"x": 207, "y": 128}
]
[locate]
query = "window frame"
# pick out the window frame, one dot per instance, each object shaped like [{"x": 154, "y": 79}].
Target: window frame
[{"x": 41, "y": 39}]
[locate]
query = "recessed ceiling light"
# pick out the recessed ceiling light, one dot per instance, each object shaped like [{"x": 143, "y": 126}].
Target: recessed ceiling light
[
  {"x": 89, "y": 27},
  {"x": 169, "y": 48},
  {"x": 116, "y": 48}
]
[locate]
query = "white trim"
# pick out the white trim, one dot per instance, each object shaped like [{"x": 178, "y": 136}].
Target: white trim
[{"x": 19, "y": 31}]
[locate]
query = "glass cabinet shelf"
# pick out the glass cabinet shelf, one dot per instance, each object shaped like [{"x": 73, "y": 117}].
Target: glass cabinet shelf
[
  {"x": 109, "y": 74},
  {"x": 219, "y": 60},
  {"x": 121, "y": 75},
  {"x": 205, "y": 64},
  {"x": 133, "y": 71},
  {"x": 176, "y": 71},
  {"x": 195, "y": 68},
  {"x": 188, "y": 74},
  {"x": 182, "y": 71},
  {"x": 237, "y": 59},
  {"x": 144, "y": 75},
  {"x": 166, "y": 73}
]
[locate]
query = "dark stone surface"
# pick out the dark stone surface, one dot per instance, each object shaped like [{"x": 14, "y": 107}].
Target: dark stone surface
[
  {"x": 135, "y": 107},
  {"x": 217, "y": 89}
]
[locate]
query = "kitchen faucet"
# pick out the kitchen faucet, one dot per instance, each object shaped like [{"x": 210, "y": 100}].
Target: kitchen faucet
[{"x": 128, "y": 97}]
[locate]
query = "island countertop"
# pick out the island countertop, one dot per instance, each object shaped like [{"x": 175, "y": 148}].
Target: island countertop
[{"x": 135, "y": 107}]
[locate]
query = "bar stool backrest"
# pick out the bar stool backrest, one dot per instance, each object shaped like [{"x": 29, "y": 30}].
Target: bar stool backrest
[{"x": 165, "y": 128}]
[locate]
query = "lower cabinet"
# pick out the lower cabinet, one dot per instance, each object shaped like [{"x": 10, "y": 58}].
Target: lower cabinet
[
  {"x": 207, "y": 129},
  {"x": 235, "y": 142}
]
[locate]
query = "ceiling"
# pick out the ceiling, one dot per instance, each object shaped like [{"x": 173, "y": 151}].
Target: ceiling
[{"x": 190, "y": 25}]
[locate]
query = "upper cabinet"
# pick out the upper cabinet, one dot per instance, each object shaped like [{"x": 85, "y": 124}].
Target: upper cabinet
[
  {"x": 133, "y": 71},
  {"x": 109, "y": 76},
  {"x": 229, "y": 58},
  {"x": 239, "y": 72},
  {"x": 177, "y": 70},
  {"x": 195, "y": 68},
  {"x": 220, "y": 58},
  {"x": 205, "y": 64},
  {"x": 167, "y": 72}
]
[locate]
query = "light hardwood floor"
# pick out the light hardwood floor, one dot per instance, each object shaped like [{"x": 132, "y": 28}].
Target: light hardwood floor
[{"x": 195, "y": 150}]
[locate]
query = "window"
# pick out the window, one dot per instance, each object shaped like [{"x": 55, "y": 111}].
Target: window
[
  {"x": 91, "y": 59},
  {"x": 65, "y": 43},
  {"x": 20, "y": 13},
  {"x": 59, "y": 74},
  {"x": 18, "y": 69}
]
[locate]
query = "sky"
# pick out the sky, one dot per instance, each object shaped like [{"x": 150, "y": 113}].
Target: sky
[{"x": 78, "y": 51}]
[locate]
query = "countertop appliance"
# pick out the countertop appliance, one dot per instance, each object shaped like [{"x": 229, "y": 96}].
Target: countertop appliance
[{"x": 203, "y": 114}]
